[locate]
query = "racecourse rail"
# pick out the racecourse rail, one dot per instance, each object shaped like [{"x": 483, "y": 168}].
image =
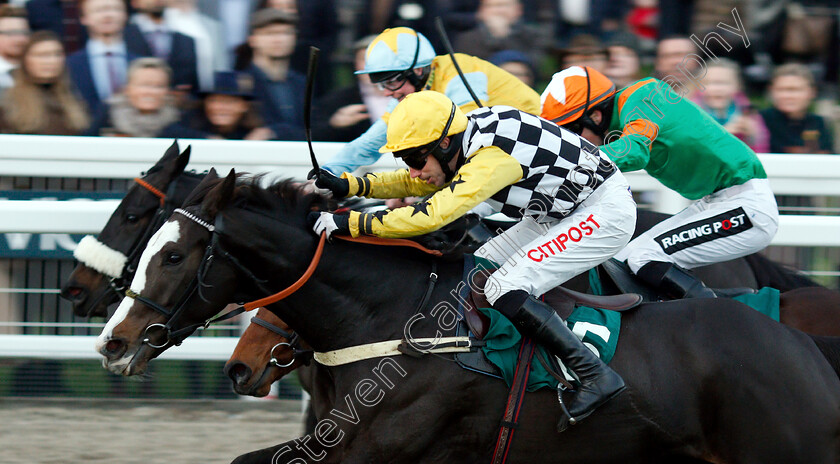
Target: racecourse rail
[{"x": 126, "y": 158}]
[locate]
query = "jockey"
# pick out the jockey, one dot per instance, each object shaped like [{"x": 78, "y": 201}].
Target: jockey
[
  {"x": 574, "y": 206},
  {"x": 402, "y": 62},
  {"x": 648, "y": 126}
]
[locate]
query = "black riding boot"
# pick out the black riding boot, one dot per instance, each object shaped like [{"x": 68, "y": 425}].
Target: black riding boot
[
  {"x": 674, "y": 281},
  {"x": 535, "y": 319}
]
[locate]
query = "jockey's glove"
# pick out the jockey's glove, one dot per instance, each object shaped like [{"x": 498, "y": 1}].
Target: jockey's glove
[
  {"x": 324, "y": 179},
  {"x": 331, "y": 223}
]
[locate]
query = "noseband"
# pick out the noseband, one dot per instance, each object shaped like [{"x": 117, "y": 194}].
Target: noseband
[
  {"x": 117, "y": 283},
  {"x": 175, "y": 337}
]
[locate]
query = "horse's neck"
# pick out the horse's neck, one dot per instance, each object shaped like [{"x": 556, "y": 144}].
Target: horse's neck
[{"x": 363, "y": 294}]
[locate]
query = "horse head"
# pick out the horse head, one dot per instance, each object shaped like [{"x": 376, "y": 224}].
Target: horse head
[
  {"x": 266, "y": 351},
  {"x": 205, "y": 256},
  {"x": 107, "y": 264}
]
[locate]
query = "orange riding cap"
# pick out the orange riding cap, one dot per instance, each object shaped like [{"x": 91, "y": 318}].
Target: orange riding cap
[{"x": 564, "y": 100}]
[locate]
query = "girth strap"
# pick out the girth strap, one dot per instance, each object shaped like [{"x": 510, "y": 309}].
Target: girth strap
[{"x": 395, "y": 348}]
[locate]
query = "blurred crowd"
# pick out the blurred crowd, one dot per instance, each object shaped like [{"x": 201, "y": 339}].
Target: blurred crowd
[{"x": 767, "y": 70}]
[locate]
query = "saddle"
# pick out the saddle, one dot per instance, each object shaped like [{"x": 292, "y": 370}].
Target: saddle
[{"x": 563, "y": 300}]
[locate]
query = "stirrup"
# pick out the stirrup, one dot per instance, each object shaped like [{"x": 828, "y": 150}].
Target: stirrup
[{"x": 566, "y": 418}]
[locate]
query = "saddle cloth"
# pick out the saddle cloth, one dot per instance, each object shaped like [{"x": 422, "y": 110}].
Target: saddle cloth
[{"x": 598, "y": 328}]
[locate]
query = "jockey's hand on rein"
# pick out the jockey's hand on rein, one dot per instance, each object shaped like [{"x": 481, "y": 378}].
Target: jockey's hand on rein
[
  {"x": 330, "y": 223},
  {"x": 326, "y": 180}
]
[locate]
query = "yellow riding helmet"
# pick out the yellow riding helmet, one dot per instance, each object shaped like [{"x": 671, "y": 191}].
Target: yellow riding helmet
[
  {"x": 420, "y": 119},
  {"x": 565, "y": 98}
]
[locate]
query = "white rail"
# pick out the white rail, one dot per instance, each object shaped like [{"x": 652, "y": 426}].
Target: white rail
[{"x": 125, "y": 158}]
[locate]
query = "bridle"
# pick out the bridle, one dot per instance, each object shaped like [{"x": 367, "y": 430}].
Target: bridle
[
  {"x": 118, "y": 284},
  {"x": 293, "y": 343},
  {"x": 176, "y": 336}
]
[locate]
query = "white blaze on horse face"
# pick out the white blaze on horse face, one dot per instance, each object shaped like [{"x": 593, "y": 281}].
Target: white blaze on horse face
[{"x": 169, "y": 232}]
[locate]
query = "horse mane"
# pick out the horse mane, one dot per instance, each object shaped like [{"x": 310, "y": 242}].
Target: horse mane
[
  {"x": 830, "y": 348},
  {"x": 286, "y": 195},
  {"x": 769, "y": 273}
]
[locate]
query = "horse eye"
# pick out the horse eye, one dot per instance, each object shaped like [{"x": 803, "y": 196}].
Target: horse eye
[
  {"x": 132, "y": 218},
  {"x": 174, "y": 258}
]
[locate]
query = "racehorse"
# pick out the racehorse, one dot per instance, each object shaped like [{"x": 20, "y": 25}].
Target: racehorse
[
  {"x": 708, "y": 379},
  {"x": 108, "y": 263}
]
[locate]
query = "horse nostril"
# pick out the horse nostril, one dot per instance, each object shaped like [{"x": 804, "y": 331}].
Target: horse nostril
[
  {"x": 114, "y": 348},
  {"x": 72, "y": 293},
  {"x": 239, "y": 373}
]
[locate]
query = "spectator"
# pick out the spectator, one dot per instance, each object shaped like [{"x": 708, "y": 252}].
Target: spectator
[
  {"x": 61, "y": 17},
  {"x": 500, "y": 27},
  {"x": 793, "y": 128},
  {"x": 278, "y": 89},
  {"x": 584, "y": 50},
  {"x": 318, "y": 26},
  {"x": 345, "y": 114},
  {"x": 623, "y": 63},
  {"x": 518, "y": 64},
  {"x": 723, "y": 98},
  {"x": 14, "y": 34},
  {"x": 98, "y": 70},
  {"x": 225, "y": 113},
  {"x": 40, "y": 101},
  {"x": 183, "y": 16},
  {"x": 235, "y": 16},
  {"x": 677, "y": 63},
  {"x": 149, "y": 35},
  {"x": 643, "y": 19},
  {"x": 145, "y": 107}
]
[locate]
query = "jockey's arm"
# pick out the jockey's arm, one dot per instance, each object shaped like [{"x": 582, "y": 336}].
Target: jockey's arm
[
  {"x": 486, "y": 172},
  {"x": 631, "y": 151}
]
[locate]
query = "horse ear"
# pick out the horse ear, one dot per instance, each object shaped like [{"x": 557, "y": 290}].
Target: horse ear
[
  {"x": 220, "y": 195},
  {"x": 198, "y": 193},
  {"x": 170, "y": 163},
  {"x": 183, "y": 159}
]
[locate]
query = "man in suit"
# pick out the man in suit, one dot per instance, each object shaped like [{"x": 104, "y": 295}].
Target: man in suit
[
  {"x": 99, "y": 69},
  {"x": 14, "y": 34},
  {"x": 149, "y": 35},
  {"x": 185, "y": 17},
  {"x": 278, "y": 89}
]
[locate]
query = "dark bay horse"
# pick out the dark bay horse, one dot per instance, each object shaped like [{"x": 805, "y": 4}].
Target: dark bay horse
[
  {"x": 109, "y": 262},
  {"x": 708, "y": 380}
]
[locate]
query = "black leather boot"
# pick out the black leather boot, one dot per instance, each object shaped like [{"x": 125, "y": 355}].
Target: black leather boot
[
  {"x": 673, "y": 281},
  {"x": 598, "y": 383}
]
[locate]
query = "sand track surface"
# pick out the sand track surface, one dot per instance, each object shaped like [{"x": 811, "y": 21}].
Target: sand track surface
[{"x": 69, "y": 431}]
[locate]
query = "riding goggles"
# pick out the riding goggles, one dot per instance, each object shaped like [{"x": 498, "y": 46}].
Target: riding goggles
[{"x": 393, "y": 84}]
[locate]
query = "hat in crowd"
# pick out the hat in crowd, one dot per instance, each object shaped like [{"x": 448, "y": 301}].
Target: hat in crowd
[
  {"x": 624, "y": 39},
  {"x": 269, "y": 16},
  {"x": 515, "y": 56},
  {"x": 582, "y": 44},
  {"x": 235, "y": 84}
]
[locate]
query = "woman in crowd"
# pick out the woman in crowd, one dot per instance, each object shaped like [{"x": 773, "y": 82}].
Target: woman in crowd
[
  {"x": 41, "y": 100},
  {"x": 721, "y": 96},
  {"x": 146, "y": 105},
  {"x": 225, "y": 113}
]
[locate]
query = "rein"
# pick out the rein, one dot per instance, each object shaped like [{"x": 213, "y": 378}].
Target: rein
[
  {"x": 177, "y": 336},
  {"x": 451, "y": 344}
]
